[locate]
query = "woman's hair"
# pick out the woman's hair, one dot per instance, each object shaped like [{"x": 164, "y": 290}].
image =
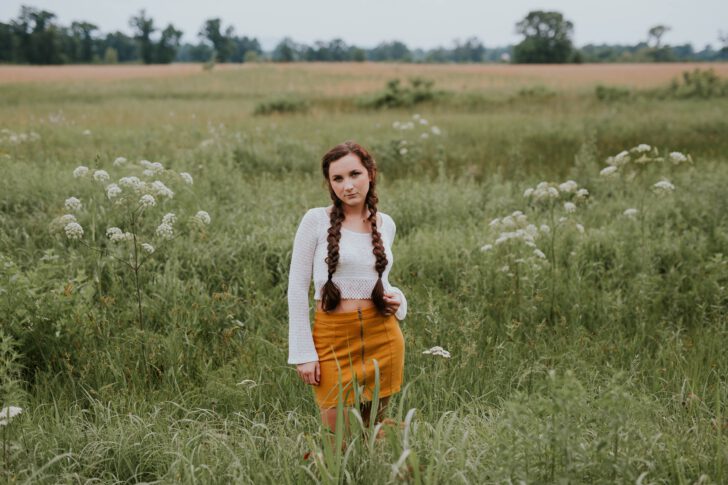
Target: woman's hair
[{"x": 330, "y": 294}]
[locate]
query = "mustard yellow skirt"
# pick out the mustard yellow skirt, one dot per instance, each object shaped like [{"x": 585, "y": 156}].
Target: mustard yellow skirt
[{"x": 347, "y": 345}]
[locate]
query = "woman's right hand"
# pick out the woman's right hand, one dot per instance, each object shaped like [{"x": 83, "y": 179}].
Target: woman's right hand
[{"x": 310, "y": 372}]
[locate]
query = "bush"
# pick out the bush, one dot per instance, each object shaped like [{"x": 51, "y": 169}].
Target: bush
[
  {"x": 395, "y": 95},
  {"x": 698, "y": 83},
  {"x": 612, "y": 93},
  {"x": 282, "y": 105}
]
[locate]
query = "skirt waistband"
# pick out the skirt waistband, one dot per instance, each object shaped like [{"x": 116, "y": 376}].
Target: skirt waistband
[{"x": 343, "y": 318}]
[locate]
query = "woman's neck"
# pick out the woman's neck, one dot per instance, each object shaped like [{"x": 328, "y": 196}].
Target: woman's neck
[{"x": 357, "y": 212}]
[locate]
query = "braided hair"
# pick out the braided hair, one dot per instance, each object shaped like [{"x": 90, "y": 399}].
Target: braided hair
[{"x": 330, "y": 293}]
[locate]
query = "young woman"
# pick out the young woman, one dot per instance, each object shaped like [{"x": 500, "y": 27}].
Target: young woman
[{"x": 347, "y": 249}]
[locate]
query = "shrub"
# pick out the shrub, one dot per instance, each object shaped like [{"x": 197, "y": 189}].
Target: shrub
[{"x": 281, "y": 105}]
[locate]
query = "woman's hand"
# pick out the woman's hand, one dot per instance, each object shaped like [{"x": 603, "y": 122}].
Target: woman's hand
[
  {"x": 392, "y": 302},
  {"x": 310, "y": 372}
]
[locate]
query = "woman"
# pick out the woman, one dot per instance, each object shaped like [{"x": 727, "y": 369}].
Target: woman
[{"x": 347, "y": 249}]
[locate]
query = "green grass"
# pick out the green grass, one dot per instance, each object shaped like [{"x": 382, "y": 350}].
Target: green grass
[{"x": 623, "y": 378}]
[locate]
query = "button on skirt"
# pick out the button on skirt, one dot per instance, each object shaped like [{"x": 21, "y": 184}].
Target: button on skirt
[{"x": 347, "y": 345}]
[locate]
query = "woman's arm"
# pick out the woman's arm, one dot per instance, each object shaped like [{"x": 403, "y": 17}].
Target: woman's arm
[
  {"x": 401, "y": 312},
  {"x": 300, "y": 340}
]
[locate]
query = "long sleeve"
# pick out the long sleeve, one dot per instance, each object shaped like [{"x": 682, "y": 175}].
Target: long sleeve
[{"x": 301, "y": 348}]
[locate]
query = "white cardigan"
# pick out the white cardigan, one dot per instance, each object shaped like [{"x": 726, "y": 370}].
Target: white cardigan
[{"x": 355, "y": 274}]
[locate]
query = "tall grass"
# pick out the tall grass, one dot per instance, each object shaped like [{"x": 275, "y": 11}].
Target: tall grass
[{"x": 622, "y": 379}]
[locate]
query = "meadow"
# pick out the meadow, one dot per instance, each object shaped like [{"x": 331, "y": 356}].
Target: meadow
[{"x": 586, "y": 321}]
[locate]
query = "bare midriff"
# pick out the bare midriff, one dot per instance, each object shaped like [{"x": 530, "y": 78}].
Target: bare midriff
[{"x": 348, "y": 305}]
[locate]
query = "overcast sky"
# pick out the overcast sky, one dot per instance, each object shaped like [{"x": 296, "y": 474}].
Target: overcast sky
[{"x": 418, "y": 23}]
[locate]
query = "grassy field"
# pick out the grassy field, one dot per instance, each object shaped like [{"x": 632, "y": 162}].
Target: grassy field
[{"x": 600, "y": 360}]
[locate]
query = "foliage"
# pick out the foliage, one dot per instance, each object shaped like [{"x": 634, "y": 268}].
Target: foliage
[
  {"x": 698, "y": 83},
  {"x": 420, "y": 90},
  {"x": 282, "y": 106},
  {"x": 547, "y": 38},
  {"x": 611, "y": 93}
]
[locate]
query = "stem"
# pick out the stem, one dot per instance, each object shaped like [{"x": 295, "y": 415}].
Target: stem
[
  {"x": 135, "y": 267},
  {"x": 552, "y": 270}
]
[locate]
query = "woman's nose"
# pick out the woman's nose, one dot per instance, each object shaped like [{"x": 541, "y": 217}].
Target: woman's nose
[{"x": 348, "y": 185}]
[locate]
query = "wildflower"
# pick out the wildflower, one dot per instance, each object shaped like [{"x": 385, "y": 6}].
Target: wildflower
[
  {"x": 423, "y": 121},
  {"x": 147, "y": 201},
  {"x": 148, "y": 172},
  {"x": 72, "y": 204},
  {"x": 569, "y": 207},
  {"x": 403, "y": 151},
  {"x": 169, "y": 218},
  {"x": 147, "y": 248},
  {"x": 67, "y": 219},
  {"x": 186, "y": 177},
  {"x": 119, "y": 161},
  {"x": 545, "y": 228},
  {"x": 495, "y": 222},
  {"x": 621, "y": 158},
  {"x": 202, "y": 217},
  {"x": 631, "y": 212},
  {"x": 416, "y": 116},
  {"x": 642, "y": 147},
  {"x": 582, "y": 194},
  {"x": 528, "y": 192},
  {"x": 132, "y": 182},
  {"x": 608, "y": 171},
  {"x": 569, "y": 186},
  {"x": 396, "y": 125},
  {"x": 165, "y": 231},
  {"x": 80, "y": 171},
  {"x": 677, "y": 157},
  {"x": 101, "y": 175},
  {"x": 435, "y": 131},
  {"x": 86, "y": 132},
  {"x": 161, "y": 190},
  {"x": 73, "y": 230},
  {"x": 486, "y": 247},
  {"x": 539, "y": 253},
  {"x": 8, "y": 413},
  {"x": 664, "y": 186},
  {"x": 437, "y": 350},
  {"x": 113, "y": 190},
  {"x": 580, "y": 228},
  {"x": 425, "y": 136}
]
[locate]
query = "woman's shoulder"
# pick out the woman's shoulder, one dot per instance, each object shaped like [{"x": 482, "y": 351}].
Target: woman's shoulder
[
  {"x": 386, "y": 219},
  {"x": 314, "y": 216}
]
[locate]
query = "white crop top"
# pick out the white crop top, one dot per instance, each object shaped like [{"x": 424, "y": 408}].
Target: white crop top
[{"x": 355, "y": 274}]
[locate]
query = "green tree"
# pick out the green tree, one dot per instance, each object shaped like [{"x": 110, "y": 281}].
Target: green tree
[
  {"x": 144, "y": 28},
  {"x": 84, "y": 42},
  {"x": 286, "y": 51},
  {"x": 222, "y": 43},
  {"x": 656, "y": 33},
  {"x": 547, "y": 38},
  {"x": 166, "y": 48}
]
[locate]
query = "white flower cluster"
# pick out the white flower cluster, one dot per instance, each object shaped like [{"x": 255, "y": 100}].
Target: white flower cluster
[
  {"x": 417, "y": 120},
  {"x": 631, "y": 212},
  {"x": 12, "y": 138},
  {"x": 80, "y": 171},
  {"x": 133, "y": 183},
  {"x": 74, "y": 231},
  {"x": 117, "y": 235},
  {"x": 8, "y": 413},
  {"x": 147, "y": 248},
  {"x": 166, "y": 229},
  {"x": 147, "y": 200},
  {"x": 119, "y": 162},
  {"x": 186, "y": 177},
  {"x": 113, "y": 191},
  {"x": 72, "y": 204},
  {"x": 663, "y": 187},
  {"x": 202, "y": 217},
  {"x": 639, "y": 156},
  {"x": 101, "y": 175},
  {"x": 437, "y": 350},
  {"x": 160, "y": 190},
  {"x": 151, "y": 168},
  {"x": 516, "y": 228},
  {"x": 547, "y": 192}
]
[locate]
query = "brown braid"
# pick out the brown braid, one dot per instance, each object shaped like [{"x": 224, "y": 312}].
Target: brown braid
[{"x": 330, "y": 293}]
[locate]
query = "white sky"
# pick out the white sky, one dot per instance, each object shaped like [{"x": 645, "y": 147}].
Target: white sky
[{"x": 418, "y": 23}]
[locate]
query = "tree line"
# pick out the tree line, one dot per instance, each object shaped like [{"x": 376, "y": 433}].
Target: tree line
[{"x": 35, "y": 37}]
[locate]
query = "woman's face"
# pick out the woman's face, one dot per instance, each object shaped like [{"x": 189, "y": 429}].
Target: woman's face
[{"x": 349, "y": 180}]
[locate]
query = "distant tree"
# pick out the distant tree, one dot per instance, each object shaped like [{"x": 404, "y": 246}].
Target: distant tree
[
  {"x": 547, "y": 38},
  {"x": 166, "y": 48},
  {"x": 221, "y": 42},
  {"x": 83, "y": 40},
  {"x": 286, "y": 51},
  {"x": 391, "y": 51},
  {"x": 655, "y": 33},
  {"x": 470, "y": 51},
  {"x": 245, "y": 48},
  {"x": 723, "y": 38},
  {"x": 126, "y": 47},
  {"x": 143, "y": 30}
]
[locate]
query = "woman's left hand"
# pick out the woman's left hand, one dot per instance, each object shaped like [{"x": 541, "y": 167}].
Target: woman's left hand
[{"x": 392, "y": 302}]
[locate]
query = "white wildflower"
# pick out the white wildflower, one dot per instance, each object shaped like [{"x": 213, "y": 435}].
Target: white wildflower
[
  {"x": 539, "y": 253},
  {"x": 72, "y": 204},
  {"x": 495, "y": 222},
  {"x": 403, "y": 151},
  {"x": 169, "y": 218},
  {"x": 562, "y": 219},
  {"x": 621, "y": 158},
  {"x": 116, "y": 235},
  {"x": 545, "y": 228},
  {"x": 642, "y": 147},
  {"x": 145, "y": 163},
  {"x": 132, "y": 183},
  {"x": 202, "y": 217},
  {"x": 582, "y": 194},
  {"x": 664, "y": 186},
  {"x": 580, "y": 228},
  {"x": 608, "y": 171},
  {"x": 119, "y": 161},
  {"x": 631, "y": 212},
  {"x": 437, "y": 350},
  {"x": 86, "y": 132},
  {"x": 423, "y": 121},
  {"x": 112, "y": 191},
  {"x": 73, "y": 230},
  {"x": 416, "y": 116},
  {"x": 8, "y": 413},
  {"x": 161, "y": 190},
  {"x": 425, "y": 136},
  {"x": 148, "y": 172},
  {"x": 486, "y": 247},
  {"x": 80, "y": 171},
  {"x": 677, "y": 157},
  {"x": 569, "y": 207},
  {"x": 436, "y": 131},
  {"x": 569, "y": 186},
  {"x": 186, "y": 177},
  {"x": 101, "y": 175},
  {"x": 396, "y": 125},
  {"x": 66, "y": 219},
  {"x": 147, "y": 200},
  {"x": 527, "y": 193},
  {"x": 147, "y": 248},
  {"x": 165, "y": 231}
]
